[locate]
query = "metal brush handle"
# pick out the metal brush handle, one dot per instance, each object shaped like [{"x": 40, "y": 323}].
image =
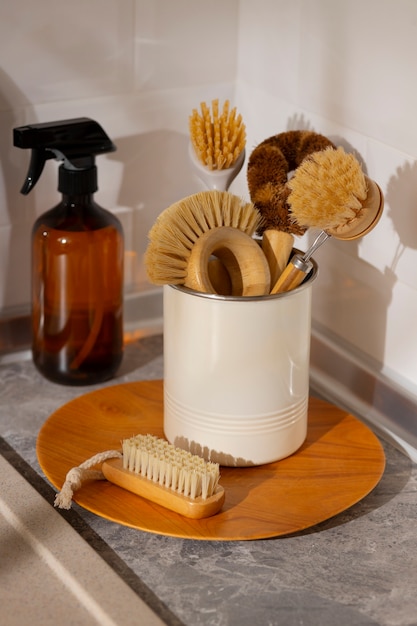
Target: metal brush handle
[
  {"x": 298, "y": 267},
  {"x": 319, "y": 240}
]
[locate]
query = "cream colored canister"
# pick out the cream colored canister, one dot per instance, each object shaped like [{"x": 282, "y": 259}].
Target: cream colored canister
[{"x": 236, "y": 373}]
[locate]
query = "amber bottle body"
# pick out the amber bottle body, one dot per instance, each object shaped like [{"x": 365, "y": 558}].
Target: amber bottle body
[{"x": 77, "y": 292}]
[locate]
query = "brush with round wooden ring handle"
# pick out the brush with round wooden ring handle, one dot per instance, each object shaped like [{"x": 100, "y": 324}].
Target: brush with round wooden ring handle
[
  {"x": 330, "y": 191},
  {"x": 188, "y": 232},
  {"x": 240, "y": 255}
]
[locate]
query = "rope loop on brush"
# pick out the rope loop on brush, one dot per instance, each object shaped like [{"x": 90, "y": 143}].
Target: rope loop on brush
[{"x": 76, "y": 477}]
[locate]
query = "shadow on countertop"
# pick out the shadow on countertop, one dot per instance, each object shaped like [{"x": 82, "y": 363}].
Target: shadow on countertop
[{"x": 396, "y": 476}]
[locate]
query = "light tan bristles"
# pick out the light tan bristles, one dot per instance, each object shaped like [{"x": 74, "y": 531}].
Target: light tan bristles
[
  {"x": 178, "y": 228},
  {"x": 218, "y": 138},
  {"x": 173, "y": 468},
  {"x": 157, "y": 471},
  {"x": 170, "y": 477},
  {"x": 328, "y": 189}
]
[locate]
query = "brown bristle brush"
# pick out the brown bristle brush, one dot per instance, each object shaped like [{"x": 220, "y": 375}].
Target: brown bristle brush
[
  {"x": 210, "y": 223},
  {"x": 329, "y": 191},
  {"x": 269, "y": 166}
]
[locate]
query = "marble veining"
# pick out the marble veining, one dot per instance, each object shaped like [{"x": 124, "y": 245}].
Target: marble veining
[{"x": 356, "y": 568}]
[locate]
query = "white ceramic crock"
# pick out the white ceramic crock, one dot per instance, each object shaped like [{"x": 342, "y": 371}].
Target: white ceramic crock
[{"x": 236, "y": 373}]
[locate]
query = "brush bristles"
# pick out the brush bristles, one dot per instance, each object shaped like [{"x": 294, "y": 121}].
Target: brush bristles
[
  {"x": 177, "y": 229},
  {"x": 170, "y": 467},
  {"x": 218, "y": 139},
  {"x": 328, "y": 189}
]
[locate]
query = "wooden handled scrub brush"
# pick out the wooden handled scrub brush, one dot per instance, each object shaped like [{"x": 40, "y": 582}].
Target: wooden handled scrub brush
[
  {"x": 189, "y": 232},
  {"x": 156, "y": 470},
  {"x": 329, "y": 191}
]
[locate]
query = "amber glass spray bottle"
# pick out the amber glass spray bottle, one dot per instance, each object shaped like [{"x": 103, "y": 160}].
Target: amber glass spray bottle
[{"x": 77, "y": 259}]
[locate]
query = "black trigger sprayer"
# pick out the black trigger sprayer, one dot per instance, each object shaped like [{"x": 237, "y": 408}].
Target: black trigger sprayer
[{"x": 77, "y": 258}]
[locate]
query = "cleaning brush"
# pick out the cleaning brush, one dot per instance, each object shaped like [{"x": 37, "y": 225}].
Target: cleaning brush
[
  {"x": 218, "y": 139},
  {"x": 329, "y": 191},
  {"x": 217, "y": 154},
  {"x": 269, "y": 167},
  {"x": 217, "y": 144},
  {"x": 176, "y": 479},
  {"x": 189, "y": 232},
  {"x": 156, "y": 470}
]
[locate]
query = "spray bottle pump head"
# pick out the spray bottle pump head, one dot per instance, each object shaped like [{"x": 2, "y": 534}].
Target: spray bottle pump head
[{"x": 76, "y": 142}]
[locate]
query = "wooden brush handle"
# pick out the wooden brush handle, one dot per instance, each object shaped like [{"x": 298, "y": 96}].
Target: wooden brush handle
[
  {"x": 219, "y": 277},
  {"x": 293, "y": 275},
  {"x": 369, "y": 216},
  {"x": 240, "y": 254},
  {"x": 193, "y": 508},
  {"x": 277, "y": 246}
]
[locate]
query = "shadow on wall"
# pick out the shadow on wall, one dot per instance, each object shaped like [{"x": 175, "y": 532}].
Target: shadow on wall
[
  {"x": 156, "y": 173},
  {"x": 16, "y": 213},
  {"x": 401, "y": 199},
  {"x": 343, "y": 293}
]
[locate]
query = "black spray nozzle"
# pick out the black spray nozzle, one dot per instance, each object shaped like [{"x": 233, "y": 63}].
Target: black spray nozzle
[{"x": 76, "y": 142}]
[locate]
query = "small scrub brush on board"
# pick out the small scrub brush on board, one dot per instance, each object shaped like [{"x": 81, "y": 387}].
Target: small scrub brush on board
[
  {"x": 156, "y": 470},
  {"x": 329, "y": 191},
  {"x": 187, "y": 234},
  {"x": 217, "y": 144}
]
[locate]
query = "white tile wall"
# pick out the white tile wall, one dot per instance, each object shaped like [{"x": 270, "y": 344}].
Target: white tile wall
[
  {"x": 344, "y": 69},
  {"x": 136, "y": 66}
]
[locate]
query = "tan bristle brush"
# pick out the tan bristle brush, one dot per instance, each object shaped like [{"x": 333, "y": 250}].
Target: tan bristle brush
[
  {"x": 156, "y": 470},
  {"x": 217, "y": 144},
  {"x": 269, "y": 166},
  {"x": 329, "y": 191},
  {"x": 187, "y": 234},
  {"x": 217, "y": 153}
]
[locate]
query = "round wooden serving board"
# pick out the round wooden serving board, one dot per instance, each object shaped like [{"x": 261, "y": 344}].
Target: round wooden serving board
[{"x": 340, "y": 462}]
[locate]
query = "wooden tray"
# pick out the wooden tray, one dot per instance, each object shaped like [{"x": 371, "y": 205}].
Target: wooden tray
[{"x": 340, "y": 463}]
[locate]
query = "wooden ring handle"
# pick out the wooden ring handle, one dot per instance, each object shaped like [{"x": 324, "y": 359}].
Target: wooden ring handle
[{"x": 242, "y": 257}]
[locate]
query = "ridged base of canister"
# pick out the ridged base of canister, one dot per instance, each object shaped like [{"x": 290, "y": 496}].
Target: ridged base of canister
[
  {"x": 236, "y": 377},
  {"x": 235, "y": 440}
]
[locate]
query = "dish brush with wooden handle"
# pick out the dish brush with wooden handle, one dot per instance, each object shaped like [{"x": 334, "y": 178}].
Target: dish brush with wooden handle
[
  {"x": 188, "y": 232},
  {"x": 329, "y": 191},
  {"x": 156, "y": 470},
  {"x": 269, "y": 167}
]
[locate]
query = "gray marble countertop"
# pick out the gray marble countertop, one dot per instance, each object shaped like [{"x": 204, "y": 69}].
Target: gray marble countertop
[{"x": 358, "y": 568}]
